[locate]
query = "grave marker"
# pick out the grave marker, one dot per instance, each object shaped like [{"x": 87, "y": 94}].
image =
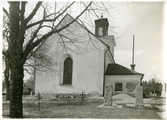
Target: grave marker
[
  {"x": 108, "y": 95},
  {"x": 38, "y": 97},
  {"x": 139, "y": 96}
]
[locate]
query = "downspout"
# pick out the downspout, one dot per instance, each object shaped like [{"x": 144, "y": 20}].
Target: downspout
[
  {"x": 105, "y": 64},
  {"x": 111, "y": 54},
  {"x": 105, "y": 60},
  {"x": 141, "y": 80},
  {"x": 104, "y": 70}
]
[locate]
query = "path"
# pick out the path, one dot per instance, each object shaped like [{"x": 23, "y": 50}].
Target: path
[{"x": 162, "y": 113}]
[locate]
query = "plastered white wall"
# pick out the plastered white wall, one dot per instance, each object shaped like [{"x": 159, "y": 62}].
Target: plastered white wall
[
  {"x": 88, "y": 63},
  {"x": 112, "y": 79}
]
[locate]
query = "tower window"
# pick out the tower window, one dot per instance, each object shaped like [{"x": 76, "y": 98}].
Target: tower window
[
  {"x": 68, "y": 67},
  {"x": 118, "y": 86},
  {"x": 100, "y": 31}
]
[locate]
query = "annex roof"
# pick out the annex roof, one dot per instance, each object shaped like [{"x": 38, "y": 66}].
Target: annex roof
[{"x": 117, "y": 69}]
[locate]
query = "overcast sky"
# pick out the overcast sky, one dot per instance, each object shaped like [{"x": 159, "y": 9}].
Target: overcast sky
[{"x": 145, "y": 21}]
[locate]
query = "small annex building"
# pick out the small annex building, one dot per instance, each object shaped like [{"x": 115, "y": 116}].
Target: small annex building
[
  {"x": 123, "y": 80},
  {"x": 83, "y": 62}
]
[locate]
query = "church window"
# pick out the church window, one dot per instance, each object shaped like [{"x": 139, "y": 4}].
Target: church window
[
  {"x": 67, "y": 74},
  {"x": 118, "y": 86}
]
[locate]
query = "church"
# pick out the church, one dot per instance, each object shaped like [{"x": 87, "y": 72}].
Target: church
[{"x": 84, "y": 62}]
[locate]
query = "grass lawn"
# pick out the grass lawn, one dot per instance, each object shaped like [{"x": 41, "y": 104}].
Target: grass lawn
[{"x": 76, "y": 108}]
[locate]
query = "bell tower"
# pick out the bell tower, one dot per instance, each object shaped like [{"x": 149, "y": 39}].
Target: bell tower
[{"x": 101, "y": 27}]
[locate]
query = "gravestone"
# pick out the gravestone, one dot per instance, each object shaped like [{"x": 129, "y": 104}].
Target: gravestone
[
  {"x": 108, "y": 95},
  {"x": 139, "y": 96},
  {"x": 31, "y": 93}
]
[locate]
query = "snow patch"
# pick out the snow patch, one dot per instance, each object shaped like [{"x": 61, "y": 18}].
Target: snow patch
[{"x": 122, "y": 96}]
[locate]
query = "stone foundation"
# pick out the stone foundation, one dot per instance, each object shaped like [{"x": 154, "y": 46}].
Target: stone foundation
[{"x": 63, "y": 96}]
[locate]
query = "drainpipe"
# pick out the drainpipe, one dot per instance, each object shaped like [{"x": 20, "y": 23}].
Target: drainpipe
[
  {"x": 104, "y": 70},
  {"x": 141, "y": 80}
]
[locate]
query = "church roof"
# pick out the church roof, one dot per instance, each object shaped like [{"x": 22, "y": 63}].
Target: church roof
[
  {"x": 116, "y": 69},
  {"x": 70, "y": 18}
]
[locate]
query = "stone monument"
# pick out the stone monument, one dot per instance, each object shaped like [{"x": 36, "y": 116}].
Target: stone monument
[
  {"x": 108, "y": 95},
  {"x": 139, "y": 96}
]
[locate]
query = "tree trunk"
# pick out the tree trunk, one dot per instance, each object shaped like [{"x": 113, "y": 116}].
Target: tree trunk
[
  {"x": 15, "y": 52},
  {"x": 16, "y": 92}
]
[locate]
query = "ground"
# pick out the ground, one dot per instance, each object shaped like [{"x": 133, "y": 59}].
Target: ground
[{"x": 78, "y": 108}]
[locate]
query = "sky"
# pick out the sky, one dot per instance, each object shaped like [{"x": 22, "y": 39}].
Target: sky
[{"x": 145, "y": 20}]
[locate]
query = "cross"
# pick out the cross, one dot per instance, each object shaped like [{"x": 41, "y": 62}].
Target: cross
[{"x": 82, "y": 95}]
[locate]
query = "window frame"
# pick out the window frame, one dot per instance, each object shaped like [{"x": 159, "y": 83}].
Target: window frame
[
  {"x": 118, "y": 87},
  {"x": 67, "y": 69}
]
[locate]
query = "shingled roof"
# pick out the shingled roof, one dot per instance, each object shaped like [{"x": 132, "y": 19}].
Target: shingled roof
[{"x": 116, "y": 69}]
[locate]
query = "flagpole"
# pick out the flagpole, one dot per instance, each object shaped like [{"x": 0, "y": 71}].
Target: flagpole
[{"x": 133, "y": 65}]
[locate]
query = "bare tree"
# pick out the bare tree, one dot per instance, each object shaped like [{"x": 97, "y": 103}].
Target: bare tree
[
  {"x": 4, "y": 58},
  {"x": 25, "y": 34}
]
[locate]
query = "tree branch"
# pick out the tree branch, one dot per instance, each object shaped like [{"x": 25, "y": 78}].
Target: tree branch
[
  {"x": 22, "y": 11},
  {"x": 49, "y": 20},
  {"x": 5, "y": 11},
  {"x": 44, "y": 37},
  {"x": 33, "y": 12},
  {"x": 33, "y": 36},
  {"x": 70, "y": 41}
]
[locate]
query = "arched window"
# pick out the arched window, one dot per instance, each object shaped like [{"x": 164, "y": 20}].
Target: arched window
[{"x": 67, "y": 74}]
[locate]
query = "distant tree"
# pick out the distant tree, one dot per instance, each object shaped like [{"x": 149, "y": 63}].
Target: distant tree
[
  {"x": 152, "y": 86},
  {"x": 5, "y": 61},
  {"x": 146, "y": 89},
  {"x": 158, "y": 89}
]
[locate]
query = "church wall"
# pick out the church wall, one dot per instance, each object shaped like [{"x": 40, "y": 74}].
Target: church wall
[
  {"x": 129, "y": 83},
  {"x": 88, "y": 62},
  {"x": 88, "y": 70},
  {"x": 87, "y": 76}
]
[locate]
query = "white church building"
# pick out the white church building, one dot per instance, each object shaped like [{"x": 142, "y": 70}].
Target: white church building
[{"x": 84, "y": 62}]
